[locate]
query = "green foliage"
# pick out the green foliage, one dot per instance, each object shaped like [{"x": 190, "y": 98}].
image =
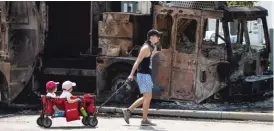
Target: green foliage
[{"x": 242, "y": 3}]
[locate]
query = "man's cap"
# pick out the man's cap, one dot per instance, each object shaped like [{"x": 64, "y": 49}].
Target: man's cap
[
  {"x": 51, "y": 84},
  {"x": 154, "y": 32},
  {"x": 67, "y": 85}
]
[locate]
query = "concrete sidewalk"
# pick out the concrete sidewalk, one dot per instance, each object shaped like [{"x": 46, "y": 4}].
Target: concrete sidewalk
[
  {"x": 28, "y": 123},
  {"x": 199, "y": 114}
]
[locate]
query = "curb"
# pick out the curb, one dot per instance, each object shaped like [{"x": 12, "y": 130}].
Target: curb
[{"x": 268, "y": 117}]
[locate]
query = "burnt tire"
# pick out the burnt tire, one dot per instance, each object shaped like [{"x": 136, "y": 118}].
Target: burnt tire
[
  {"x": 128, "y": 94},
  {"x": 47, "y": 122},
  {"x": 3, "y": 90},
  {"x": 85, "y": 121},
  {"x": 92, "y": 121},
  {"x": 39, "y": 121}
]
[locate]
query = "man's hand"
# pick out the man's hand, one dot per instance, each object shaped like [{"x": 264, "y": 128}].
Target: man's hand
[{"x": 130, "y": 77}]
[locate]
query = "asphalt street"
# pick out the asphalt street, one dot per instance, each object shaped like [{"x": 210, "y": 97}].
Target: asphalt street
[{"x": 28, "y": 123}]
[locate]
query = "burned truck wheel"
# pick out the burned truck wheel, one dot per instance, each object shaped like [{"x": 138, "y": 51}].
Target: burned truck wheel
[
  {"x": 126, "y": 95},
  {"x": 3, "y": 90}
]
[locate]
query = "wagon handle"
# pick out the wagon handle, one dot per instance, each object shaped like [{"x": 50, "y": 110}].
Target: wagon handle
[{"x": 116, "y": 92}]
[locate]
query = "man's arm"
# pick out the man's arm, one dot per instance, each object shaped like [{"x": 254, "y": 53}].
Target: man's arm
[{"x": 143, "y": 53}]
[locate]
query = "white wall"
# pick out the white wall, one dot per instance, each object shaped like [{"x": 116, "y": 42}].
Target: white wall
[
  {"x": 144, "y": 7},
  {"x": 269, "y": 5},
  {"x": 257, "y": 35}
]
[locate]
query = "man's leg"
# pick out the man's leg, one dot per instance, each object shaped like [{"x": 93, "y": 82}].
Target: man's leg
[
  {"x": 146, "y": 104},
  {"x": 147, "y": 98},
  {"x": 136, "y": 104},
  {"x": 127, "y": 112}
]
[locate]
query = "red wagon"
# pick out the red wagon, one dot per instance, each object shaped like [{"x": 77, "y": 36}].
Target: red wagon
[{"x": 71, "y": 110}]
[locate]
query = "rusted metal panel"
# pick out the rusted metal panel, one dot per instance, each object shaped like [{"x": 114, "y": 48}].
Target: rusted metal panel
[
  {"x": 114, "y": 46},
  {"x": 161, "y": 62},
  {"x": 116, "y": 33},
  {"x": 189, "y": 12},
  {"x": 161, "y": 71},
  {"x": 183, "y": 76},
  {"x": 216, "y": 14},
  {"x": 211, "y": 73},
  {"x": 180, "y": 11},
  {"x": 185, "y": 58},
  {"x": 120, "y": 17},
  {"x": 163, "y": 10},
  {"x": 114, "y": 29},
  {"x": 208, "y": 79}
]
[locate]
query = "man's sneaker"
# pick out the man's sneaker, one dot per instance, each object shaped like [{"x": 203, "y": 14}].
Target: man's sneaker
[
  {"x": 126, "y": 115},
  {"x": 147, "y": 123}
]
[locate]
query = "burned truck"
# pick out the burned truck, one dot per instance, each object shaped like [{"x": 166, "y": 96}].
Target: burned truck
[
  {"x": 23, "y": 29},
  {"x": 95, "y": 44},
  {"x": 188, "y": 67}
]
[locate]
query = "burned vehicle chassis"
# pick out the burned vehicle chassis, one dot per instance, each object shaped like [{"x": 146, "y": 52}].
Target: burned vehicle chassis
[
  {"x": 249, "y": 74},
  {"x": 201, "y": 71}
]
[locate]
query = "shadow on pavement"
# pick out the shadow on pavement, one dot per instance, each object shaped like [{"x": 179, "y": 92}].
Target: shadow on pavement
[
  {"x": 71, "y": 127},
  {"x": 149, "y": 128}
]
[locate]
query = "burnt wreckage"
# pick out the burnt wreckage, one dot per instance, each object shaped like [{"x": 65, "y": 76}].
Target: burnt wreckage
[
  {"x": 44, "y": 44},
  {"x": 200, "y": 69}
]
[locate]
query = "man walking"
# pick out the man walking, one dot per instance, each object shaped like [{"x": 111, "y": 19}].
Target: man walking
[{"x": 143, "y": 63}]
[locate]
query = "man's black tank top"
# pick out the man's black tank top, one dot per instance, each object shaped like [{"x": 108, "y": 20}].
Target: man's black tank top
[{"x": 144, "y": 65}]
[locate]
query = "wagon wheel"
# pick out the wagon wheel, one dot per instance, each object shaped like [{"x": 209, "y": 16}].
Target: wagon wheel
[
  {"x": 92, "y": 121},
  {"x": 47, "y": 122},
  {"x": 39, "y": 121},
  {"x": 85, "y": 121}
]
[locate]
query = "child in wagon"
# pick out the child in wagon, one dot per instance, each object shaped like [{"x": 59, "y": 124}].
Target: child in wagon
[
  {"x": 51, "y": 87},
  {"x": 67, "y": 89}
]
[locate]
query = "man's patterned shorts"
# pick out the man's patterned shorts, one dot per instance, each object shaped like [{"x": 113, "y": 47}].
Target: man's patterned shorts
[{"x": 144, "y": 82}]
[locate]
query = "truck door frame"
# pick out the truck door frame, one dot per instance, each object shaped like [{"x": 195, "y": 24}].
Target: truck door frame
[{"x": 188, "y": 95}]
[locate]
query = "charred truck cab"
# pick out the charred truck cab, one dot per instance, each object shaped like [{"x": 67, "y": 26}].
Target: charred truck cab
[{"x": 190, "y": 67}]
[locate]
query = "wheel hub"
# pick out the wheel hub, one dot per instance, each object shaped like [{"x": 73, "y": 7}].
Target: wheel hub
[
  {"x": 119, "y": 84},
  {"x": 122, "y": 94}
]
